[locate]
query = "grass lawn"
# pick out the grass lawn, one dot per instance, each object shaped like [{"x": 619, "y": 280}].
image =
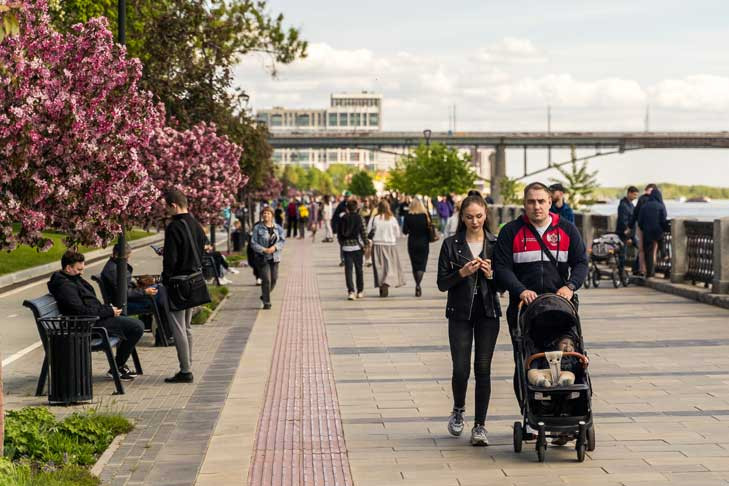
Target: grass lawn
[{"x": 26, "y": 257}]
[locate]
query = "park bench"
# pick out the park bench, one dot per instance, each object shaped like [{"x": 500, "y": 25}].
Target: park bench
[
  {"x": 45, "y": 307},
  {"x": 156, "y": 315}
]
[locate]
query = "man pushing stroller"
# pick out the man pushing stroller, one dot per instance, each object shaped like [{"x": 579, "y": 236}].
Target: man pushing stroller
[{"x": 538, "y": 253}]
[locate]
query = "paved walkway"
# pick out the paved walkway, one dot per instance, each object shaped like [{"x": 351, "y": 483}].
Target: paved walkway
[{"x": 325, "y": 391}]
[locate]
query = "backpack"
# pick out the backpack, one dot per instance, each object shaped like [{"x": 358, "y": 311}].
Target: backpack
[{"x": 303, "y": 212}]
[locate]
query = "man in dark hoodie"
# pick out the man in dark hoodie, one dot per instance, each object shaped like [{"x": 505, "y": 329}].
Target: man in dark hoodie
[
  {"x": 179, "y": 259},
  {"x": 623, "y": 228},
  {"x": 76, "y": 297},
  {"x": 639, "y": 265},
  {"x": 653, "y": 224}
]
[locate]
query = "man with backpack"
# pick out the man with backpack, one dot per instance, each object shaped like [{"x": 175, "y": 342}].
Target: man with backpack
[{"x": 538, "y": 253}]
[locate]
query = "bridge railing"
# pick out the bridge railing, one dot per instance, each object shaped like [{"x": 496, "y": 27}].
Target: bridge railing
[{"x": 695, "y": 252}]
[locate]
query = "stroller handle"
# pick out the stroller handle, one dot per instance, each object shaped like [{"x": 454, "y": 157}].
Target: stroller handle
[{"x": 583, "y": 359}]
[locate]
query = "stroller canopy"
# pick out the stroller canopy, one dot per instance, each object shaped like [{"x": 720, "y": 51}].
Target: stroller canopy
[{"x": 547, "y": 318}]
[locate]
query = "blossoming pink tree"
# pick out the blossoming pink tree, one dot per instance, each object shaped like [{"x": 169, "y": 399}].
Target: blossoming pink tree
[
  {"x": 202, "y": 164},
  {"x": 271, "y": 189},
  {"x": 73, "y": 123}
]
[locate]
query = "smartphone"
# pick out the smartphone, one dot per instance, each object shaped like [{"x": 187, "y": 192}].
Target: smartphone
[{"x": 158, "y": 249}]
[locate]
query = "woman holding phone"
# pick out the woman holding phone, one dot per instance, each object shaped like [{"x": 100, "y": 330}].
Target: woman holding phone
[{"x": 473, "y": 311}]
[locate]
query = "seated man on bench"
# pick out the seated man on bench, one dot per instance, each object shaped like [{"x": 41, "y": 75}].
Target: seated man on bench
[
  {"x": 138, "y": 298},
  {"x": 76, "y": 297}
]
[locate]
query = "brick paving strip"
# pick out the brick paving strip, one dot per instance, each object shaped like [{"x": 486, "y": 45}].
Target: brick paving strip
[{"x": 300, "y": 439}]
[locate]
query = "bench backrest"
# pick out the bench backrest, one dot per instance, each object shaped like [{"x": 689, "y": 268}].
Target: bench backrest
[{"x": 44, "y": 306}]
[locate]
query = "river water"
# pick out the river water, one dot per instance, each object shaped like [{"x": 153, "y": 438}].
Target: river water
[{"x": 701, "y": 211}]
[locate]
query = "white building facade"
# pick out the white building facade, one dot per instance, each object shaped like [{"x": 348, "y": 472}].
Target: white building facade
[{"x": 348, "y": 112}]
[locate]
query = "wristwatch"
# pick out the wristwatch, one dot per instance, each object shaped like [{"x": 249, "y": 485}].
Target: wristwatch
[{"x": 571, "y": 286}]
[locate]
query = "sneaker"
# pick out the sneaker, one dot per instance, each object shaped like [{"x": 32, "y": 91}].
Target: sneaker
[
  {"x": 351, "y": 296},
  {"x": 126, "y": 370},
  {"x": 560, "y": 441},
  {"x": 122, "y": 376},
  {"x": 360, "y": 295},
  {"x": 180, "y": 378},
  {"x": 233, "y": 270},
  {"x": 224, "y": 281},
  {"x": 259, "y": 281},
  {"x": 455, "y": 422},
  {"x": 267, "y": 305},
  {"x": 478, "y": 436}
]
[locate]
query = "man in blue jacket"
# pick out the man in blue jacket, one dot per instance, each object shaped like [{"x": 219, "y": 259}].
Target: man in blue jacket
[
  {"x": 559, "y": 205},
  {"x": 623, "y": 228}
]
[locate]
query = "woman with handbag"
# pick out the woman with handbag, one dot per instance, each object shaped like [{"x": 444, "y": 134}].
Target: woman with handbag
[
  {"x": 267, "y": 240},
  {"x": 383, "y": 229},
  {"x": 473, "y": 311},
  {"x": 417, "y": 225}
]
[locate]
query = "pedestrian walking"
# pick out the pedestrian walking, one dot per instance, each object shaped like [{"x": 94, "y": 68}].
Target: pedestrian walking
[
  {"x": 302, "y": 213},
  {"x": 452, "y": 224},
  {"x": 267, "y": 242},
  {"x": 314, "y": 218},
  {"x": 559, "y": 205},
  {"x": 623, "y": 228},
  {"x": 339, "y": 212},
  {"x": 384, "y": 231},
  {"x": 639, "y": 268},
  {"x": 444, "y": 212},
  {"x": 473, "y": 310},
  {"x": 538, "y": 253},
  {"x": 653, "y": 224},
  {"x": 416, "y": 225},
  {"x": 353, "y": 240},
  {"x": 327, "y": 214},
  {"x": 292, "y": 218},
  {"x": 183, "y": 250}
]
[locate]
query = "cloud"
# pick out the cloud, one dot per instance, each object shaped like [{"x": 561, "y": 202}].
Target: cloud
[{"x": 509, "y": 92}]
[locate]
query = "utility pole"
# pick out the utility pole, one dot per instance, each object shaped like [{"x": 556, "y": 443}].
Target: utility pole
[
  {"x": 120, "y": 299},
  {"x": 549, "y": 131},
  {"x": 647, "y": 121}
]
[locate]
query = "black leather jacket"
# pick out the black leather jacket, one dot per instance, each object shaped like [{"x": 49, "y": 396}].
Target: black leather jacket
[{"x": 454, "y": 253}]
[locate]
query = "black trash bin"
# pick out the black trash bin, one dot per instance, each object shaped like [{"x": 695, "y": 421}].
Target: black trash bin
[{"x": 69, "y": 358}]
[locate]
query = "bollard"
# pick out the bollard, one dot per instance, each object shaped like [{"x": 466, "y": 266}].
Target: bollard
[
  {"x": 679, "y": 262},
  {"x": 720, "y": 283}
]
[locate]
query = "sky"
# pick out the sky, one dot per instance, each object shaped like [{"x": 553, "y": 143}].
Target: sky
[{"x": 599, "y": 65}]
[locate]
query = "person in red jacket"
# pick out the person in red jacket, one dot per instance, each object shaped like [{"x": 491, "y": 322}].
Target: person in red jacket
[{"x": 525, "y": 269}]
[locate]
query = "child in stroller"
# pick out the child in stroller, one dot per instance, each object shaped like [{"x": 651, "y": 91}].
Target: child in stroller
[{"x": 558, "y": 366}]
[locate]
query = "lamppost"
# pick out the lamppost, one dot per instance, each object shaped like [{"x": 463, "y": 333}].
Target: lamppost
[
  {"x": 427, "y": 133},
  {"x": 120, "y": 299}
]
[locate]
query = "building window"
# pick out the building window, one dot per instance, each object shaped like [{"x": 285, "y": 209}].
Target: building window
[
  {"x": 276, "y": 120},
  {"x": 333, "y": 157},
  {"x": 277, "y": 155},
  {"x": 332, "y": 119},
  {"x": 355, "y": 118},
  {"x": 342, "y": 119},
  {"x": 302, "y": 121},
  {"x": 374, "y": 119},
  {"x": 355, "y": 157}
]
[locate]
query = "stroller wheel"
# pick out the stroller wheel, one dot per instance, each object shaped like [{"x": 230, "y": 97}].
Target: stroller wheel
[
  {"x": 625, "y": 278},
  {"x": 596, "y": 278},
  {"x": 518, "y": 436},
  {"x": 588, "y": 280},
  {"x": 581, "y": 442},
  {"x": 541, "y": 443},
  {"x": 591, "y": 438},
  {"x": 615, "y": 275}
]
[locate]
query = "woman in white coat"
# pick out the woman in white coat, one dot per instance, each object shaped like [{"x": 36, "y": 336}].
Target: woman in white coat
[{"x": 384, "y": 230}]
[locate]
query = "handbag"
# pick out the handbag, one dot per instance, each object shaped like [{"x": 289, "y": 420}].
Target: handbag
[
  {"x": 432, "y": 232},
  {"x": 188, "y": 291}
]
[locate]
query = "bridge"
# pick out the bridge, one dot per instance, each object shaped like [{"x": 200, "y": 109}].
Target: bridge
[{"x": 604, "y": 143}]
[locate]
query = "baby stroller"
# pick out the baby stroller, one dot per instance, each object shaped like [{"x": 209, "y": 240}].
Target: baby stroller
[
  {"x": 605, "y": 253},
  {"x": 563, "y": 412}
]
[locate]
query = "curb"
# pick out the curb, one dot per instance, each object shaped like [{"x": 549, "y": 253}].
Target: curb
[
  {"x": 689, "y": 292},
  {"x": 106, "y": 456},
  {"x": 22, "y": 277}
]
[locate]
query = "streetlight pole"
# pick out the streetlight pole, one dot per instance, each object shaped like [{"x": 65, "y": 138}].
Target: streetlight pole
[
  {"x": 120, "y": 299},
  {"x": 427, "y": 133}
]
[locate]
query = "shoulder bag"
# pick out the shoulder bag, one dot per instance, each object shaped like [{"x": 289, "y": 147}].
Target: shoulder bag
[
  {"x": 535, "y": 233},
  {"x": 432, "y": 232},
  {"x": 187, "y": 291}
]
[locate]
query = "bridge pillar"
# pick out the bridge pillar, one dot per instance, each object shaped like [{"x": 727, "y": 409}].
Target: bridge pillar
[
  {"x": 679, "y": 262},
  {"x": 498, "y": 172},
  {"x": 720, "y": 284}
]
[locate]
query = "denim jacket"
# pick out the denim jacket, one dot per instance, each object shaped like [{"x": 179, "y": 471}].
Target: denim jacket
[{"x": 259, "y": 241}]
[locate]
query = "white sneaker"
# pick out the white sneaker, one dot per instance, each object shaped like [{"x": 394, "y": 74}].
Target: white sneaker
[
  {"x": 233, "y": 270},
  {"x": 478, "y": 436},
  {"x": 360, "y": 295},
  {"x": 259, "y": 281},
  {"x": 351, "y": 296},
  {"x": 224, "y": 281}
]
